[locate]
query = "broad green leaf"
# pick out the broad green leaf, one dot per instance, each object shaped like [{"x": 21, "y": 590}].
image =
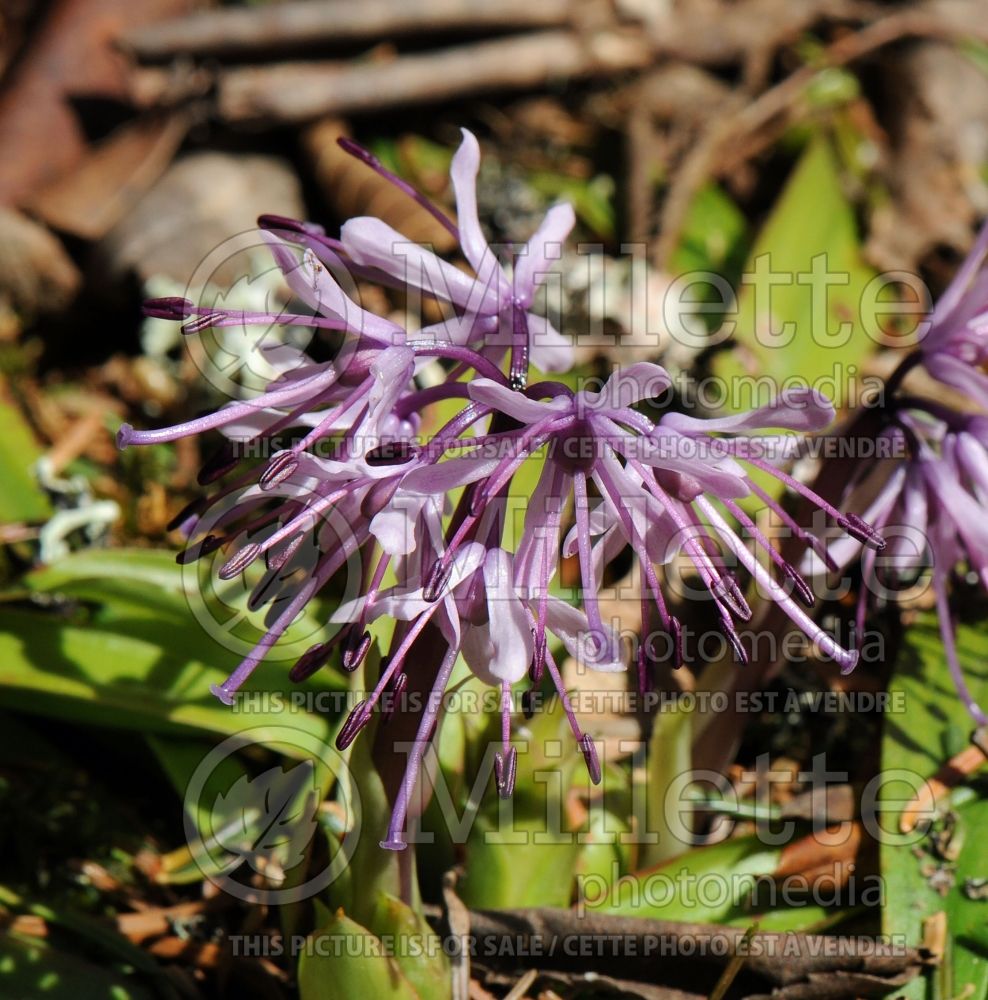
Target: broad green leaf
[
  {"x": 519, "y": 850},
  {"x": 151, "y": 675},
  {"x": 146, "y": 583},
  {"x": 21, "y": 498},
  {"x": 919, "y": 740},
  {"x": 144, "y": 658},
  {"x": 343, "y": 960},
  {"x": 705, "y": 885},
  {"x": 179, "y": 759},
  {"x": 713, "y": 236},
  {"x": 603, "y": 856},
  {"x": 807, "y": 326},
  {"x": 420, "y": 954},
  {"x": 25, "y": 960},
  {"x": 151, "y": 566},
  {"x": 670, "y": 751}
]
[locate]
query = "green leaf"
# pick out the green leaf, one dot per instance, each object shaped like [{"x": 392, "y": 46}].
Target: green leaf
[
  {"x": 705, "y": 885},
  {"x": 420, "y": 954},
  {"x": 519, "y": 852},
  {"x": 807, "y": 328},
  {"x": 144, "y": 659},
  {"x": 343, "y": 960},
  {"x": 146, "y": 673},
  {"x": 670, "y": 750},
  {"x": 150, "y": 566},
  {"x": 713, "y": 236},
  {"x": 915, "y": 741},
  {"x": 21, "y": 498},
  {"x": 56, "y": 972},
  {"x": 592, "y": 199}
]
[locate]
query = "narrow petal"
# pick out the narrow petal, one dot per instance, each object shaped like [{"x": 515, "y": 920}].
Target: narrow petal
[
  {"x": 374, "y": 243},
  {"x": 550, "y": 351},
  {"x": 394, "y": 527},
  {"x": 571, "y": 627},
  {"x": 463, "y": 173},
  {"x": 501, "y": 649},
  {"x": 311, "y": 281},
  {"x": 798, "y": 409},
  {"x": 628, "y": 386},
  {"x": 454, "y": 472},
  {"x": 515, "y": 404},
  {"x": 545, "y": 246}
]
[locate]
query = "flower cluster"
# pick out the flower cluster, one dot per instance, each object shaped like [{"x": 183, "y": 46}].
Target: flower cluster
[
  {"x": 424, "y": 498},
  {"x": 933, "y": 503}
]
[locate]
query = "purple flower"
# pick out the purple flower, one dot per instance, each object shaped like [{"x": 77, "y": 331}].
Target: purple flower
[
  {"x": 933, "y": 504},
  {"x": 494, "y": 306},
  {"x": 349, "y": 479},
  {"x": 659, "y": 486},
  {"x": 955, "y": 345}
]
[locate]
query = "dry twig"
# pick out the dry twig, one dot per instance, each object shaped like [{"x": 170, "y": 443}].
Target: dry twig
[
  {"x": 303, "y": 91},
  {"x": 709, "y": 157},
  {"x": 246, "y": 30}
]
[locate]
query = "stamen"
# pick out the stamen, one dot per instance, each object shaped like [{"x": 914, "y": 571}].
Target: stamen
[
  {"x": 277, "y": 629},
  {"x": 802, "y": 588},
  {"x": 194, "y": 508},
  {"x": 359, "y": 716},
  {"x": 283, "y": 222},
  {"x": 806, "y": 537},
  {"x": 851, "y": 523},
  {"x": 225, "y": 459},
  {"x": 518, "y": 372},
  {"x": 505, "y": 771},
  {"x": 277, "y": 560},
  {"x": 392, "y": 699},
  {"x": 439, "y": 577},
  {"x": 366, "y": 156},
  {"x": 393, "y": 453},
  {"x": 205, "y": 547},
  {"x": 395, "y": 840},
  {"x": 537, "y": 665},
  {"x": 170, "y": 307},
  {"x": 862, "y": 531},
  {"x": 591, "y": 609},
  {"x": 847, "y": 659},
  {"x": 676, "y": 628},
  {"x": 204, "y": 322},
  {"x": 726, "y": 589},
  {"x": 237, "y": 563},
  {"x": 278, "y": 469},
  {"x": 310, "y": 661},
  {"x": 263, "y": 592},
  {"x": 740, "y": 653},
  {"x": 589, "y": 751},
  {"x": 355, "y": 649},
  {"x": 528, "y": 702}
]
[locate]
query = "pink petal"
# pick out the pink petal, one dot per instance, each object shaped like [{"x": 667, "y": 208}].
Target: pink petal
[
  {"x": 373, "y": 243},
  {"x": 515, "y": 404},
  {"x": 500, "y": 650},
  {"x": 628, "y": 386},
  {"x": 454, "y": 472},
  {"x": 311, "y": 281},
  {"x": 798, "y": 409},
  {"x": 549, "y": 350},
  {"x": 544, "y": 248}
]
